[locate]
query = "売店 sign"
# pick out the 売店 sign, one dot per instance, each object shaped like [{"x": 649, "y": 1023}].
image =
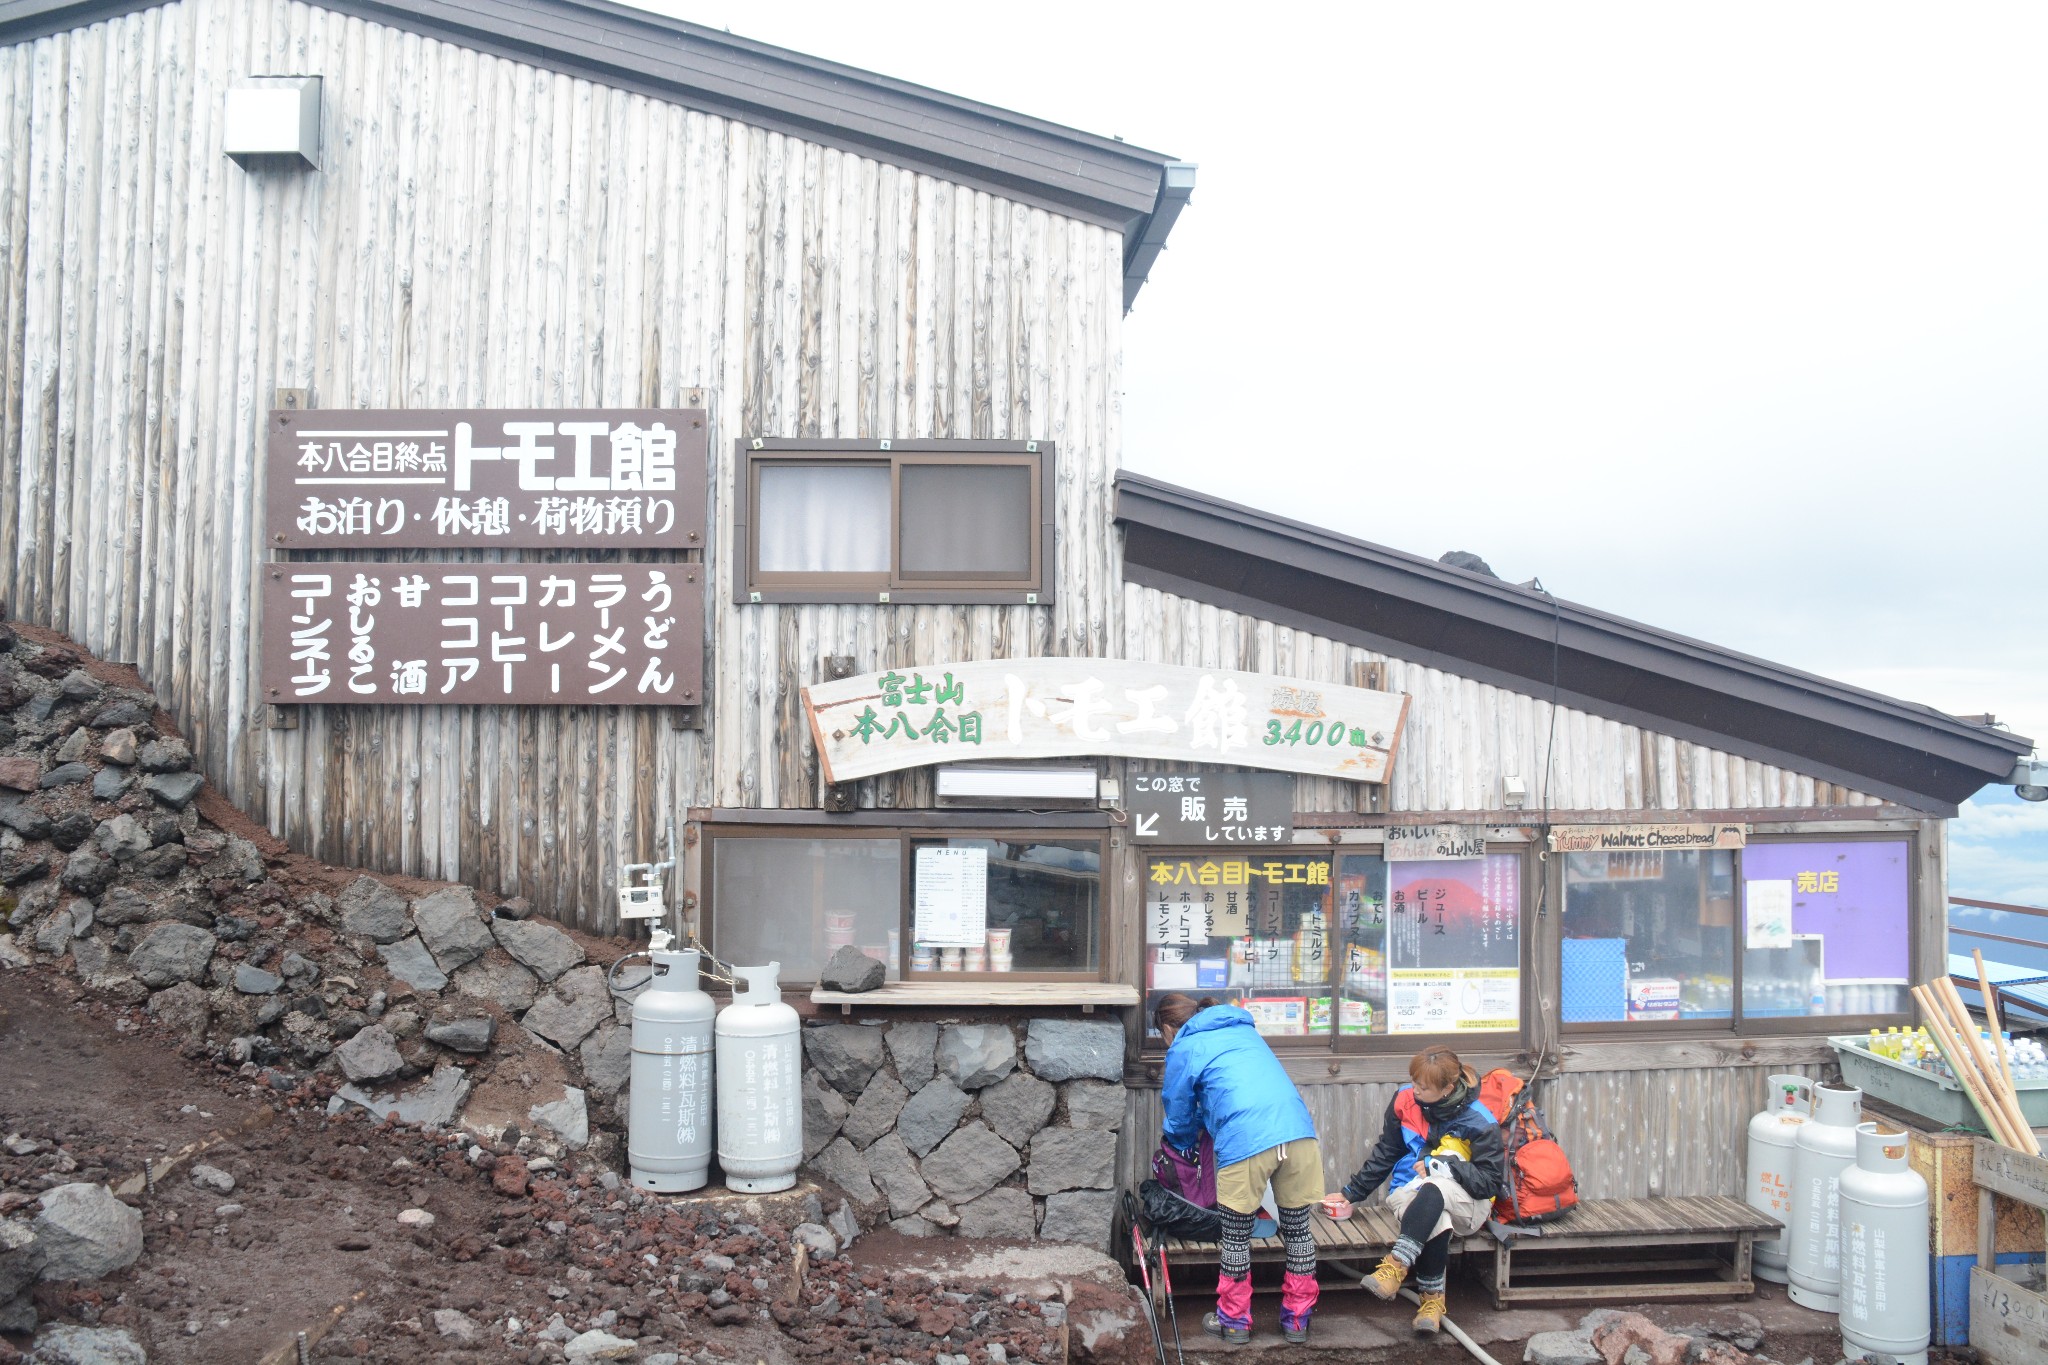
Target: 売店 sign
[
  {"x": 1636, "y": 838},
  {"x": 1211, "y": 808},
  {"x": 410, "y": 478},
  {"x": 1063, "y": 708}
]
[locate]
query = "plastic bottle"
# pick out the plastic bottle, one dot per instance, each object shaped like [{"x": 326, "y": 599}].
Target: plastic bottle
[{"x": 1816, "y": 993}]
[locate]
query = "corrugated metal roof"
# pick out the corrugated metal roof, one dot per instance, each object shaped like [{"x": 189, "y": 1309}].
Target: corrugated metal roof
[
  {"x": 1202, "y": 547},
  {"x": 1096, "y": 179}
]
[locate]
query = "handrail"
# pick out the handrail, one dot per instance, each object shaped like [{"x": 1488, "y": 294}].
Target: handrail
[
  {"x": 1999, "y": 938},
  {"x": 1999, "y": 905}
]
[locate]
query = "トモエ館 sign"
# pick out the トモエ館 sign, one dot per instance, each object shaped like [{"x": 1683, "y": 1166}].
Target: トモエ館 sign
[
  {"x": 412, "y": 478},
  {"x": 1062, "y": 708}
]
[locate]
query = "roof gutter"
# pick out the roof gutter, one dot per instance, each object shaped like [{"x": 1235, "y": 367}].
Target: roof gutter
[{"x": 1176, "y": 188}]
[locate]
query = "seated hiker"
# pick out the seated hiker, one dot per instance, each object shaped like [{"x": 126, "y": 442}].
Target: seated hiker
[
  {"x": 1221, "y": 1075},
  {"x": 1440, "y": 1154}
]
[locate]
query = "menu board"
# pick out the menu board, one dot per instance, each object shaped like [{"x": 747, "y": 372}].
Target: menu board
[{"x": 952, "y": 897}]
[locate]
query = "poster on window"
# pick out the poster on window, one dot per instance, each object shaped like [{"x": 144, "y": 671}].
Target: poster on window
[
  {"x": 1454, "y": 945},
  {"x": 1852, "y": 894},
  {"x": 952, "y": 897}
]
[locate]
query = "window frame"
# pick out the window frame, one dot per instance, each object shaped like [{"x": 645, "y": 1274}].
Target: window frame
[
  {"x": 908, "y": 834},
  {"x": 1337, "y": 1043},
  {"x": 1738, "y": 1024},
  {"x": 751, "y": 586}
]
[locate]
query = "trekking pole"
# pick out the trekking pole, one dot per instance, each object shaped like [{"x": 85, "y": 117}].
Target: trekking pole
[
  {"x": 1166, "y": 1285},
  {"x": 1139, "y": 1254}
]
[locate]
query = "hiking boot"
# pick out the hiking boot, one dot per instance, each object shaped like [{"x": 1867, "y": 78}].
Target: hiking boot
[
  {"x": 1385, "y": 1280},
  {"x": 1232, "y": 1336},
  {"x": 1430, "y": 1317},
  {"x": 1296, "y": 1335}
]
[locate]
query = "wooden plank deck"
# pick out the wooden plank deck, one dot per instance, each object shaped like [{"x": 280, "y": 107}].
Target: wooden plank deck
[{"x": 1718, "y": 1230}]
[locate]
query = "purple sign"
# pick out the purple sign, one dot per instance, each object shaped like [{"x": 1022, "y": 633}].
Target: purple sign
[{"x": 1854, "y": 894}]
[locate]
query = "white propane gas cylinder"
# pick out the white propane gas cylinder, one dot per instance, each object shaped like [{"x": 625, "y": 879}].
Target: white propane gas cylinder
[
  {"x": 1884, "y": 1252},
  {"x": 1823, "y": 1150},
  {"x": 668, "y": 1130},
  {"x": 1772, "y": 1133},
  {"x": 760, "y": 1119}
]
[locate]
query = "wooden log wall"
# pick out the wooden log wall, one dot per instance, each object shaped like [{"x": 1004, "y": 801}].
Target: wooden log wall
[
  {"x": 488, "y": 233},
  {"x": 1462, "y": 737}
]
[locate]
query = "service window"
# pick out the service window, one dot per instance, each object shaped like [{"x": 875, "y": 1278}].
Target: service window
[
  {"x": 1827, "y": 928},
  {"x": 903, "y": 521},
  {"x": 1649, "y": 935},
  {"x": 1323, "y": 948},
  {"x": 992, "y": 905},
  {"x": 796, "y": 901},
  {"x": 1039, "y": 907}
]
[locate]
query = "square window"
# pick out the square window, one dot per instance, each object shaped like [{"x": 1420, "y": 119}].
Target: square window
[
  {"x": 1826, "y": 929},
  {"x": 1030, "y": 906},
  {"x": 797, "y": 901},
  {"x": 824, "y": 519},
  {"x": 1256, "y": 932},
  {"x": 1648, "y": 935},
  {"x": 967, "y": 521}
]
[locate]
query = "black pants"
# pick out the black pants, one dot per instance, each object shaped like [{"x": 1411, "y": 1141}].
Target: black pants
[{"x": 1427, "y": 1255}]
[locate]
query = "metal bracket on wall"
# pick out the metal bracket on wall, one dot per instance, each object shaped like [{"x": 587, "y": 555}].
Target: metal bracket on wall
[
  {"x": 1372, "y": 676},
  {"x": 284, "y": 717},
  {"x": 291, "y": 400},
  {"x": 842, "y": 797}
]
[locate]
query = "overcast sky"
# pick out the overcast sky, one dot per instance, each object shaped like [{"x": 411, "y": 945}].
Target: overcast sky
[{"x": 1731, "y": 319}]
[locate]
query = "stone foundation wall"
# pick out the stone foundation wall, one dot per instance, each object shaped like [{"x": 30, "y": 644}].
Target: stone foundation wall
[{"x": 971, "y": 1130}]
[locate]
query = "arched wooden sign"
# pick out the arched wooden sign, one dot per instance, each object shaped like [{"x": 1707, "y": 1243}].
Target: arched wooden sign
[{"x": 999, "y": 709}]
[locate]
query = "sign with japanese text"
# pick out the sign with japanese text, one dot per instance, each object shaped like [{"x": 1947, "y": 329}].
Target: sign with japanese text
[
  {"x": 952, "y": 897},
  {"x": 1433, "y": 843},
  {"x": 469, "y": 634},
  {"x": 1627, "y": 838},
  {"x": 1211, "y": 808},
  {"x": 1194, "y": 900},
  {"x": 410, "y": 478},
  {"x": 1454, "y": 945},
  {"x": 1063, "y": 708}
]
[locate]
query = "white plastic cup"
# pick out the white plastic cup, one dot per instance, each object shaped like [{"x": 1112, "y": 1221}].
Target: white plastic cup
[
  {"x": 974, "y": 959},
  {"x": 999, "y": 941},
  {"x": 999, "y": 962},
  {"x": 949, "y": 959}
]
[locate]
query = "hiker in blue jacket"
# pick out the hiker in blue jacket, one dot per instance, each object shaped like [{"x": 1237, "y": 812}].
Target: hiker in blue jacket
[{"x": 1221, "y": 1076}]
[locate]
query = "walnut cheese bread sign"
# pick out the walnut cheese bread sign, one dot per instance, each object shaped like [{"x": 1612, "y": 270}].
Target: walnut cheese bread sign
[{"x": 1070, "y": 708}]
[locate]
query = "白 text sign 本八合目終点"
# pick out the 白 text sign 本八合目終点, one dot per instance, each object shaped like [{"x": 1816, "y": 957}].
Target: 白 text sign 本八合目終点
[
  {"x": 1060, "y": 708},
  {"x": 413, "y": 478},
  {"x": 514, "y": 634}
]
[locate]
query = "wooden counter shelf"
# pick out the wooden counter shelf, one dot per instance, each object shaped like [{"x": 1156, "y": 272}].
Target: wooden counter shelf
[{"x": 1089, "y": 995}]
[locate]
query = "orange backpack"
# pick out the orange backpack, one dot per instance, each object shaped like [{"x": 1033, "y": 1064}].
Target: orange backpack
[{"x": 1540, "y": 1185}]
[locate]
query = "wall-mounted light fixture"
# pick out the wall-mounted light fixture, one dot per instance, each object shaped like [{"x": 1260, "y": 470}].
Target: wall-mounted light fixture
[
  {"x": 273, "y": 123},
  {"x": 994, "y": 784}
]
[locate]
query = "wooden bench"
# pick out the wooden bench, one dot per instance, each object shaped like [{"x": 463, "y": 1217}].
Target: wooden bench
[{"x": 1655, "y": 1249}]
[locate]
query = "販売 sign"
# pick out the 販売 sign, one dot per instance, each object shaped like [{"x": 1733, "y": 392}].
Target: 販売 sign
[
  {"x": 1211, "y": 808},
  {"x": 570, "y": 478},
  {"x": 1062, "y": 708}
]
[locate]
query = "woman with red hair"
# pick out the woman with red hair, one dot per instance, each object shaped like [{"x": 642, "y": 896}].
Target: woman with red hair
[{"x": 1441, "y": 1157}]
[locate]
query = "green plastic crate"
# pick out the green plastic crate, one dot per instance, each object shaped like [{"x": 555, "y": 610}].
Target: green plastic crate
[{"x": 1936, "y": 1098}]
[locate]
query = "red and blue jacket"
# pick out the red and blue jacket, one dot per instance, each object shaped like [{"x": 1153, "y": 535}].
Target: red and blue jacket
[{"x": 1412, "y": 1133}]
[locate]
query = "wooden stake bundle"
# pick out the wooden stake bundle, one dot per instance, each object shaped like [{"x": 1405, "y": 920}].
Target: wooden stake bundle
[
  {"x": 1951, "y": 1050},
  {"x": 1981, "y": 1077}
]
